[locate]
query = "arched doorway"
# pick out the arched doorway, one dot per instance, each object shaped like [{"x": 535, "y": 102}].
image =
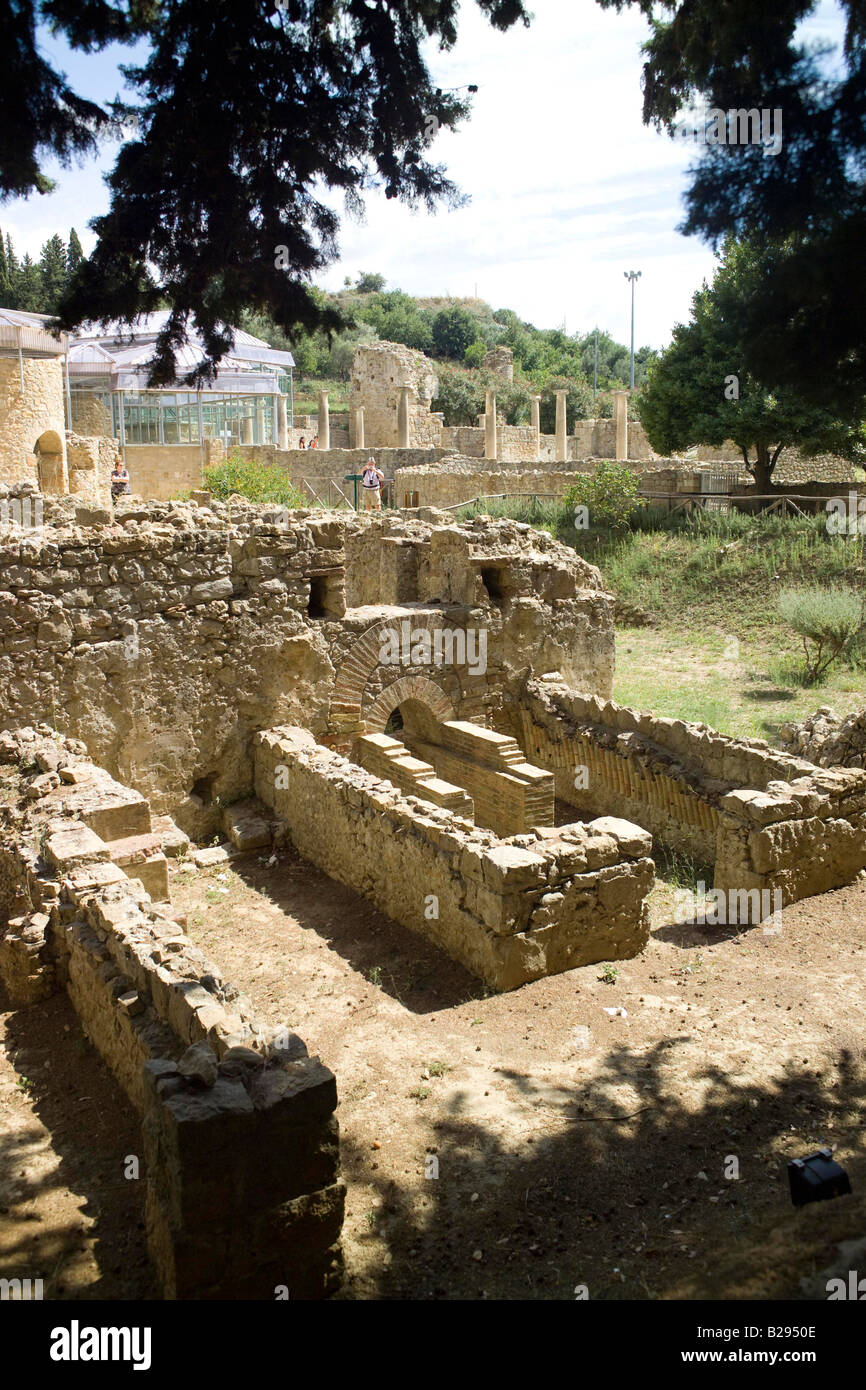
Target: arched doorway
[{"x": 418, "y": 702}]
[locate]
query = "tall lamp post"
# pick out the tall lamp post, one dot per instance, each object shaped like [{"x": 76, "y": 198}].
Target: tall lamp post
[
  {"x": 632, "y": 275},
  {"x": 595, "y": 366}
]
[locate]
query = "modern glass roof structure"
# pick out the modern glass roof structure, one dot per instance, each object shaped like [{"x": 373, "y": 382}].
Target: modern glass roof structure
[{"x": 249, "y": 402}]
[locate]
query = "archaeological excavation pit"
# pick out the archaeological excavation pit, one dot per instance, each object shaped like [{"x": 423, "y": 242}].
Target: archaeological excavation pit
[{"x": 421, "y": 710}]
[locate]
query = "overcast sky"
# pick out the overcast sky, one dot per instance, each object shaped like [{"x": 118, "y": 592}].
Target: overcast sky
[{"x": 568, "y": 188}]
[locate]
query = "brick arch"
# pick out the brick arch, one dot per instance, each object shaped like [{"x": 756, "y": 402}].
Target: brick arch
[
  {"x": 408, "y": 688},
  {"x": 355, "y": 671}
]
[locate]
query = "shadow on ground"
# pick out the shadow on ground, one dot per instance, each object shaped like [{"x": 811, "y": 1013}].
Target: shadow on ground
[
  {"x": 69, "y": 1216},
  {"x": 630, "y": 1197},
  {"x": 403, "y": 963}
]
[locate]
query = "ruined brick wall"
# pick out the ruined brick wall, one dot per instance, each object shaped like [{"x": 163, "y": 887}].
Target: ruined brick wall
[
  {"x": 499, "y": 361},
  {"x": 514, "y": 443},
  {"x": 240, "y": 1143},
  {"x": 26, "y": 417},
  {"x": 509, "y": 910},
  {"x": 90, "y": 416},
  {"x": 765, "y": 819}
]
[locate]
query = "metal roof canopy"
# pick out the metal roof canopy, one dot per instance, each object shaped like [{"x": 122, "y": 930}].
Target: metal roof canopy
[
  {"x": 124, "y": 353},
  {"x": 25, "y": 332}
]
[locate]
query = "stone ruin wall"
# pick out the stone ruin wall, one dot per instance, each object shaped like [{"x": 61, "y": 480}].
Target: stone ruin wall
[
  {"x": 828, "y": 739},
  {"x": 90, "y": 462},
  {"x": 510, "y": 910},
  {"x": 378, "y": 372},
  {"x": 451, "y": 481},
  {"x": 24, "y": 419},
  {"x": 207, "y": 1080},
  {"x": 167, "y": 639},
  {"x": 764, "y": 819}
]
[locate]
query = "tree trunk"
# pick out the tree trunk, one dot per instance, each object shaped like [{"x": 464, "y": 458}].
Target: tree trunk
[{"x": 762, "y": 469}]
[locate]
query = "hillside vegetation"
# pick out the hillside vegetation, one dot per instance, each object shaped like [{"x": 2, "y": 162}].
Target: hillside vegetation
[
  {"x": 456, "y": 334},
  {"x": 699, "y": 634}
]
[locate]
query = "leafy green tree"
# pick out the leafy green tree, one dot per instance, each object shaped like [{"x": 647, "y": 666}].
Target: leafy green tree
[
  {"x": 474, "y": 354},
  {"x": 700, "y": 390},
  {"x": 607, "y": 497},
  {"x": 459, "y": 394},
  {"x": 368, "y": 283},
  {"x": 228, "y": 212},
  {"x": 803, "y": 192},
  {"x": 453, "y": 331},
  {"x": 397, "y": 318},
  {"x": 52, "y": 268}
]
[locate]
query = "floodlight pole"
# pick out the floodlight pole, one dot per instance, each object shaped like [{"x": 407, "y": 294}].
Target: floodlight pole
[
  {"x": 595, "y": 367},
  {"x": 633, "y": 276}
]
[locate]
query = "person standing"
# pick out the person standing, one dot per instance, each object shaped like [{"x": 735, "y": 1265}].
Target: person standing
[
  {"x": 372, "y": 479},
  {"x": 119, "y": 480}
]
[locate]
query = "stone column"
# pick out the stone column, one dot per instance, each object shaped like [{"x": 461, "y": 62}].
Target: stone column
[
  {"x": 403, "y": 418},
  {"x": 247, "y": 429},
  {"x": 490, "y": 449},
  {"x": 324, "y": 422},
  {"x": 359, "y": 427},
  {"x": 561, "y": 437},
  {"x": 282, "y": 423},
  {"x": 536, "y": 424},
  {"x": 620, "y": 418}
]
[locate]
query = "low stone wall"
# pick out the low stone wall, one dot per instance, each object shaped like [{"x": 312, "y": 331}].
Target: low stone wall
[
  {"x": 240, "y": 1142},
  {"x": 514, "y": 443},
  {"x": 164, "y": 471},
  {"x": 323, "y": 465},
  {"x": 509, "y": 910},
  {"x": 827, "y": 739},
  {"x": 766, "y": 820},
  {"x": 165, "y": 634}
]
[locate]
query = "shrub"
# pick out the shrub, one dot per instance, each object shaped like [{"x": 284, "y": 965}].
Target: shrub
[
  {"x": 829, "y": 622},
  {"x": 454, "y": 329},
  {"x": 258, "y": 482},
  {"x": 474, "y": 354},
  {"x": 610, "y": 495},
  {"x": 459, "y": 395}
]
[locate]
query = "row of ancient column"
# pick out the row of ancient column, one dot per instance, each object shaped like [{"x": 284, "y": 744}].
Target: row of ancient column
[{"x": 620, "y": 415}]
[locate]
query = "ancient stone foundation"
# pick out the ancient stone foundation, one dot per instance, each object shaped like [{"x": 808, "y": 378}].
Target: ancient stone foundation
[
  {"x": 239, "y": 1140},
  {"x": 765, "y": 820},
  {"x": 165, "y": 636},
  {"x": 510, "y": 910}
]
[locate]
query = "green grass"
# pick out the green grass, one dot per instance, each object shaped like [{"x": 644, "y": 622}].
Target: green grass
[{"x": 717, "y": 651}]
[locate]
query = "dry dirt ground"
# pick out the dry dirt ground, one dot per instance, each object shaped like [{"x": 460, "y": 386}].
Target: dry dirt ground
[{"x": 495, "y": 1146}]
